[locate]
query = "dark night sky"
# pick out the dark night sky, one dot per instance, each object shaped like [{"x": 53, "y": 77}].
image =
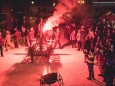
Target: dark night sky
[{"x": 27, "y": 2}]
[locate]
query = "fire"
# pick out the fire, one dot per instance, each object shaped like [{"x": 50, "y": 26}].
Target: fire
[
  {"x": 51, "y": 22},
  {"x": 47, "y": 26},
  {"x": 47, "y": 70},
  {"x": 62, "y": 7}
]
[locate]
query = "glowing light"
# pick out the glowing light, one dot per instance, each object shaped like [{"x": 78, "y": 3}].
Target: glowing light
[
  {"x": 11, "y": 10},
  {"x": 32, "y": 2},
  {"x": 54, "y": 4},
  {"x": 47, "y": 70},
  {"x": 81, "y": 1},
  {"x": 63, "y": 7},
  {"x": 52, "y": 22},
  {"x": 78, "y": 1},
  {"x": 31, "y": 17}
]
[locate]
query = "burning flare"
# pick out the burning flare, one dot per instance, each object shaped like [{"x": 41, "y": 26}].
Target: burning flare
[{"x": 62, "y": 7}]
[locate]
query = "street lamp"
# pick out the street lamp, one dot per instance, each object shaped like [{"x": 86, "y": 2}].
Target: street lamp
[
  {"x": 32, "y": 2},
  {"x": 81, "y": 2},
  {"x": 54, "y": 4}
]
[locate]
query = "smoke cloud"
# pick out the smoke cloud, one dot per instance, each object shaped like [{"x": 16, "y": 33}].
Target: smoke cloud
[{"x": 64, "y": 6}]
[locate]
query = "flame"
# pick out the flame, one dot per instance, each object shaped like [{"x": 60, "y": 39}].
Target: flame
[
  {"x": 62, "y": 7},
  {"x": 47, "y": 70}
]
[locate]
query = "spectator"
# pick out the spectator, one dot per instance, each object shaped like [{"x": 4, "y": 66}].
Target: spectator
[
  {"x": 87, "y": 46},
  {"x": 31, "y": 35},
  {"x": 79, "y": 39},
  {"x": 73, "y": 39},
  {"x": 109, "y": 74},
  {"x": 57, "y": 38},
  {"x": 24, "y": 36},
  {"x": 16, "y": 37},
  {"x": 1, "y": 45},
  {"x": 90, "y": 64},
  {"x": 8, "y": 40},
  {"x": 101, "y": 62}
]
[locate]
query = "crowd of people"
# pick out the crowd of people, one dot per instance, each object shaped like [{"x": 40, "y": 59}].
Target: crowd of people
[{"x": 97, "y": 42}]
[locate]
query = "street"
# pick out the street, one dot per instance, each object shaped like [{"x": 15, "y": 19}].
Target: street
[{"x": 17, "y": 70}]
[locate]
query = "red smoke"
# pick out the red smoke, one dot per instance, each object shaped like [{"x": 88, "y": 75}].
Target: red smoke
[{"x": 62, "y": 7}]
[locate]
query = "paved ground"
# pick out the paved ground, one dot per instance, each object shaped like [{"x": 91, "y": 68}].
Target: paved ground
[{"x": 17, "y": 70}]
